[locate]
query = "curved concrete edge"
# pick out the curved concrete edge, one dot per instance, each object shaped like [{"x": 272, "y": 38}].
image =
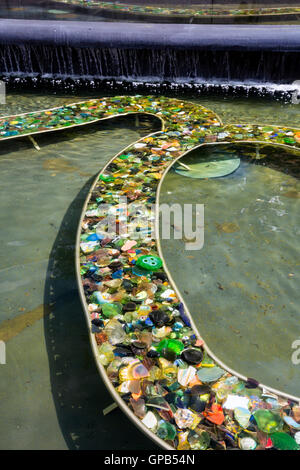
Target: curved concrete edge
[{"x": 151, "y": 35}]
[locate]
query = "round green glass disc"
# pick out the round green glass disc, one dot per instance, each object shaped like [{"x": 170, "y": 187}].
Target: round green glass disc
[{"x": 149, "y": 262}]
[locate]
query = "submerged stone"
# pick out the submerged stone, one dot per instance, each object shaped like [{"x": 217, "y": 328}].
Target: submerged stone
[
  {"x": 149, "y": 262},
  {"x": 150, "y": 421},
  {"x": 283, "y": 441},
  {"x": 199, "y": 440},
  {"x": 242, "y": 415},
  {"x": 111, "y": 310},
  {"x": 185, "y": 376},
  {"x": 129, "y": 307},
  {"x": 210, "y": 374},
  {"x": 192, "y": 356},
  {"x": 135, "y": 370},
  {"x": 114, "y": 331},
  {"x": 268, "y": 421},
  {"x": 247, "y": 443},
  {"x": 185, "y": 418},
  {"x": 159, "y": 318},
  {"x": 106, "y": 354},
  {"x": 139, "y": 407},
  {"x": 172, "y": 344}
]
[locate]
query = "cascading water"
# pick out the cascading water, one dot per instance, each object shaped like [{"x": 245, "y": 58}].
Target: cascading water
[
  {"x": 127, "y": 51},
  {"x": 148, "y": 64}
]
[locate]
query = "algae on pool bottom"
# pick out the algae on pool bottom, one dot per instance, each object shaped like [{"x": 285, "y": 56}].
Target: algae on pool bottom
[{"x": 76, "y": 165}]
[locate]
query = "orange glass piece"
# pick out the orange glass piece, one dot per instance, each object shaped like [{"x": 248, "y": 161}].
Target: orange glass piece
[{"x": 216, "y": 414}]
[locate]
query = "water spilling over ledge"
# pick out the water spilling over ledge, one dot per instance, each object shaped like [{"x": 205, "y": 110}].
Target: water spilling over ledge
[
  {"x": 149, "y": 52},
  {"x": 284, "y": 93}
]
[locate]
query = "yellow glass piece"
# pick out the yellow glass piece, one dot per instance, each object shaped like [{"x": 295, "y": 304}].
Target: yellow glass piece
[
  {"x": 144, "y": 310},
  {"x": 155, "y": 373},
  {"x": 183, "y": 443}
]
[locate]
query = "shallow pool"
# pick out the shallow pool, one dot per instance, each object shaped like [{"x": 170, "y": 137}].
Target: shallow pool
[
  {"x": 241, "y": 287},
  {"x": 51, "y": 394}
]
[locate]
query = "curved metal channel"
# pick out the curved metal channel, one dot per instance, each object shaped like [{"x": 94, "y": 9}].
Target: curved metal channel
[{"x": 116, "y": 397}]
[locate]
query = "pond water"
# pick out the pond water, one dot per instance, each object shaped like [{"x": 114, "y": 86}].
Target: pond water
[
  {"x": 51, "y": 396},
  {"x": 241, "y": 287}
]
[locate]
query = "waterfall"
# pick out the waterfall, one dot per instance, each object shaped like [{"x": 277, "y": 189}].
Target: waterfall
[
  {"x": 187, "y": 65},
  {"x": 149, "y": 52}
]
